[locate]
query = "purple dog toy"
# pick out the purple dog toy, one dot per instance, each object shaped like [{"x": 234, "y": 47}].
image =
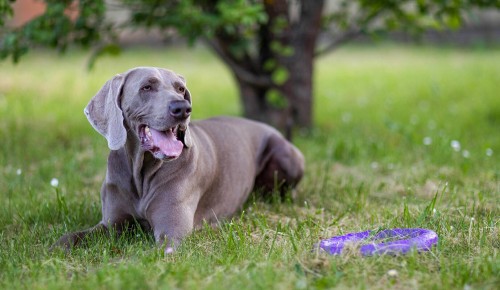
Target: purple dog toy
[{"x": 401, "y": 241}]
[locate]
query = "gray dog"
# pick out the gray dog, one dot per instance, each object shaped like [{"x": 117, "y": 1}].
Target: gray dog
[{"x": 170, "y": 175}]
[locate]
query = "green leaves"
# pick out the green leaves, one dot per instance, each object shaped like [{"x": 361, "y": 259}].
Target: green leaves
[
  {"x": 109, "y": 49},
  {"x": 5, "y": 10},
  {"x": 12, "y": 45},
  {"x": 249, "y": 33},
  {"x": 196, "y": 18},
  {"x": 280, "y": 75},
  {"x": 276, "y": 99},
  {"x": 62, "y": 24},
  {"x": 410, "y": 16},
  {"x": 279, "y": 48}
]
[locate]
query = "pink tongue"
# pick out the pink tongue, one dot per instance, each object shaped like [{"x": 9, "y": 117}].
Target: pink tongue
[{"x": 167, "y": 143}]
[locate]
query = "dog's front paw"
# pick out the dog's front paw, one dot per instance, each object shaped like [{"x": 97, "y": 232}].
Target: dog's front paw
[
  {"x": 66, "y": 242},
  {"x": 71, "y": 240}
]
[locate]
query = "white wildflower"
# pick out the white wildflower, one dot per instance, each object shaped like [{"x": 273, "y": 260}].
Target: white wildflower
[
  {"x": 455, "y": 145},
  {"x": 19, "y": 171},
  {"x": 392, "y": 273},
  {"x": 427, "y": 141},
  {"x": 466, "y": 154},
  {"x": 489, "y": 152},
  {"x": 54, "y": 182}
]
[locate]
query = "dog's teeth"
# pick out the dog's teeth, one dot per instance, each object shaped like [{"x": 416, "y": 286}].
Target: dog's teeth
[{"x": 148, "y": 132}]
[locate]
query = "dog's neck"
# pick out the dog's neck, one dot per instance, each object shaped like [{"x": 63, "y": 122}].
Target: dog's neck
[{"x": 139, "y": 160}]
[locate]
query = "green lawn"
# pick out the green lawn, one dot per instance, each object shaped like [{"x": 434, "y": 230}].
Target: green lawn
[{"x": 379, "y": 157}]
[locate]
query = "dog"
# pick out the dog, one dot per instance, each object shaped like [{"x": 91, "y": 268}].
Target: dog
[{"x": 171, "y": 175}]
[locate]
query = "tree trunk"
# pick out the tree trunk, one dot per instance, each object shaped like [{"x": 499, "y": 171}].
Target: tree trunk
[
  {"x": 301, "y": 36},
  {"x": 291, "y": 51},
  {"x": 256, "y": 107},
  {"x": 298, "y": 89}
]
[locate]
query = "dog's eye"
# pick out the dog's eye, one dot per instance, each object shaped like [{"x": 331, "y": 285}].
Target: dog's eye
[
  {"x": 146, "y": 88},
  {"x": 181, "y": 89}
]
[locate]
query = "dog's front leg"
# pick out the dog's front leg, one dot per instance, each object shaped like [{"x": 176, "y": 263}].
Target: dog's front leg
[
  {"x": 71, "y": 240},
  {"x": 116, "y": 217},
  {"x": 170, "y": 223}
]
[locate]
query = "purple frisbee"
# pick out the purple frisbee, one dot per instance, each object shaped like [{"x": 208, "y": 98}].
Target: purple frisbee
[{"x": 391, "y": 241}]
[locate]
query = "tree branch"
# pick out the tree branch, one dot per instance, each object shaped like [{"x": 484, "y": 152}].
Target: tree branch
[
  {"x": 241, "y": 72},
  {"x": 346, "y": 37},
  {"x": 358, "y": 24}
]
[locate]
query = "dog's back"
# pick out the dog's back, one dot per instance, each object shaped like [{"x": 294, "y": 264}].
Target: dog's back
[{"x": 242, "y": 154}]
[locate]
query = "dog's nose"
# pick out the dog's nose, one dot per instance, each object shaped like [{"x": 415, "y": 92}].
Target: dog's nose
[{"x": 180, "y": 109}]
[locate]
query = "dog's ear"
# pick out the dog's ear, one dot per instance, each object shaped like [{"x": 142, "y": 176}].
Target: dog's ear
[{"x": 105, "y": 115}]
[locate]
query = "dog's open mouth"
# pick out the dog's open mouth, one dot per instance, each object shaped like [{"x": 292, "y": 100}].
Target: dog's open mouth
[{"x": 163, "y": 144}]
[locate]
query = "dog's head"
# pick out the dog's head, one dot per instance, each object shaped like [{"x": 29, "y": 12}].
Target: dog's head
[{"x": 153, "y": 104}]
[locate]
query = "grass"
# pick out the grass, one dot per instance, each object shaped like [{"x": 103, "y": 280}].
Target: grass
[{"x": 367, "y": 168}]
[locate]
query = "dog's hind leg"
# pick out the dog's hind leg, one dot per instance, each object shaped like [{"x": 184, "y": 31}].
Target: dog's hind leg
[{"x": 282, "y": 166}]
